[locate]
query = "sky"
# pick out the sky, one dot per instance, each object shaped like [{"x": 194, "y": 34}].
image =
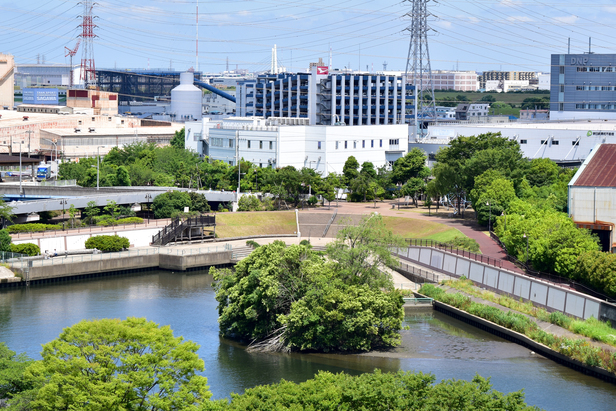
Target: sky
[{"x": 476, "y": 35}]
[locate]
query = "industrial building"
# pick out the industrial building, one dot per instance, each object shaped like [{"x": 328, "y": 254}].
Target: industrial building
[
  {"x": 280, "y": 142},
  {"x": 583, "y": 86},
  {"x": 502, "y": 76},
  {"x": 565, "y": 142},
  {"x": 7, "y": 74},
  {"x": 592, "y": 195},
  {"x": 93, "y": 102},
  {"x": 328, "y": 98},
  {"x": 453, "y": 80},
  {"x": 37, "y": 75},
  {"x": 472, "y": 111}
]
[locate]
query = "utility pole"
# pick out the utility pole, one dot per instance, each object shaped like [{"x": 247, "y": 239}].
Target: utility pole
[
  {"x": 237, "y": 158},
  {"x": 29, "y": 132}
]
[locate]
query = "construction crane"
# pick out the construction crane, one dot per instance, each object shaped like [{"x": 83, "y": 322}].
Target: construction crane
[{"x": 72, "y": 53}]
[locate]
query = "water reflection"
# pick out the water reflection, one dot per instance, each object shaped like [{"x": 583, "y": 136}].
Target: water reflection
[{"x": 434, "y": 343}]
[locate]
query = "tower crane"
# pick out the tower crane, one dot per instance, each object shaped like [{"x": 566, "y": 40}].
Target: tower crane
[{"x": 71, "y": 53}]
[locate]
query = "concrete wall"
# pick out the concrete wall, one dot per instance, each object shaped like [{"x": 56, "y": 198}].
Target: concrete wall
[
  {"x": 184, "y": 262},
  {"x": 541, "y": 293},
  {"x": 93, "y": 266}
]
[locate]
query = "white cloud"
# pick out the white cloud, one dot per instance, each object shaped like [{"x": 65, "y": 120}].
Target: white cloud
[
  {"x": 519, "y": 19},
  {"x": 610, "y": 9},
  {"x": 443, "y": 23},
  {"x": 567, "y": 19}
]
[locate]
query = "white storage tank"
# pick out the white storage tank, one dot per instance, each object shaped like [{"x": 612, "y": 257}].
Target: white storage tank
[{"x": 186, "y": 99}]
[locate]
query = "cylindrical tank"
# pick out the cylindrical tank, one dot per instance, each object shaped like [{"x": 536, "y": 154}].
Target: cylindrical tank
[{"x": 186, "y": 99}]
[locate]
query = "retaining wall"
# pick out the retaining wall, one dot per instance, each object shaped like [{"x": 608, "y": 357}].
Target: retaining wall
[{"x": 541, "y": 293}]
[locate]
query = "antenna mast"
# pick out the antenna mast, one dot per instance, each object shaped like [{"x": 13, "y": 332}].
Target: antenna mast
[
  {"x": 88, "y": 69},
  {"x": 418, "y": 62}
]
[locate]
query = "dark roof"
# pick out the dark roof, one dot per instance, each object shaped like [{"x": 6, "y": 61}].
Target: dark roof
[
  {"x": 601, "y": 169},
  {"x": 6, "y": 160}
]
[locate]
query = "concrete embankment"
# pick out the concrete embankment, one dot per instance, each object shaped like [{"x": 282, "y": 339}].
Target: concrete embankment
[{"x": 525, "y": 341}]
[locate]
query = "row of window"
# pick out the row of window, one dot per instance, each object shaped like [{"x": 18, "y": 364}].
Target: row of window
[
  {"x": 219, "y": 142},
  {"x": 595, "y": 88},
  {"x": 249, "y": 144},
  {"x": 586, "y": 106},
  {"x": 363, "y": 143},
  {"x": 596, "y": 69},
  {"x": 554, "y": 142}
]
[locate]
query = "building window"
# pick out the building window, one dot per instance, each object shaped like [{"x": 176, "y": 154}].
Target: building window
[
  {"x": 271, "y": 145},
  {"x": 121, "y": 122},
  {"x": 372, "y": 143},
  {"x": 346, "y": 144},
  {"x": 575, "y": 143},
  {"x": 554, "y": 142},
  {"x": 261, "y": 144},
  {"x": 230, "y": 143},
  {"x": 247, "y": 143},
  {"x": 380, "y": 143},
  {"x": 363, "y": 144},
  {"x": 542, "y": 142},
  {"x": 230, "y": 163},
  {"x": 561, "y": 106},
  {"x": 337, "y": 145},
  {"x": 318, "y": 145},
  {"x": 394, "y": 142},
  {"x": 354, "y": 144},
  {"x": 523, "y": 141}
]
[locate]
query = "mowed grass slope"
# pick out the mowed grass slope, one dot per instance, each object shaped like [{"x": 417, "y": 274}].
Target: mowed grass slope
[
  {"x": 255, "y": 223},
  {"x": 412, "y": 228}
]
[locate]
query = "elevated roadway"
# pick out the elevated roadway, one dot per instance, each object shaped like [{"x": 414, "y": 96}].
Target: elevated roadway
[{"x": 62, "y": 197}]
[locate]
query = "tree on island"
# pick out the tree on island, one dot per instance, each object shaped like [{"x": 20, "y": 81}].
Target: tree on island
[{"x": 282, "y": 298}]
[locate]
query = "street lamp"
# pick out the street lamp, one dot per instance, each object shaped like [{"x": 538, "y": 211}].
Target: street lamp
[
  {"x": 525, "y": 236},
  {"x": 63, "y": 202},
  {"x": 490, "y": 219},
  {"x": 148, "y": 199},
  {"x": 20, "y": 189}
]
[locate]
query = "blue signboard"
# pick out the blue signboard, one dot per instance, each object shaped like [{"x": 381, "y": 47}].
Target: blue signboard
[{"x": 40, "y": 96}]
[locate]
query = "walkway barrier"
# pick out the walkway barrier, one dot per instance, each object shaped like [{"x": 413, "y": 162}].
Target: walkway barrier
[
  {"x": 23, "y": 263},
  {"x": 420, "y": 242},
  {"x": 331, "y": 220}
]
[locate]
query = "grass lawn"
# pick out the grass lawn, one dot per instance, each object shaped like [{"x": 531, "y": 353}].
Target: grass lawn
[
  {"x": 411, "y": 228},
  {"x": 255, "y": 223}
]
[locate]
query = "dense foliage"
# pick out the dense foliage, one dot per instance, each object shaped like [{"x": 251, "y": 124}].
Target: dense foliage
[
  {"x": 12, "y": 367},
  {"x": 172, "y": 203},
  {"x": 115, "y": 365},
  {"x": 107, "y": 243},
  {"x": 377, "y": 391},
  {"x": 26, "y": 248},
  {"x": 33, "y": 228},
  {"x": 5, "y": 240},
  {"x": 286, "y": 298}
]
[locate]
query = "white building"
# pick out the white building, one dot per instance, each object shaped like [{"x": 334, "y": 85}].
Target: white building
[
  {"x": 566, "y": 142},
  {"x": 505, "y": 86},
  {"x": 543, "y": 81},
  {"x": 281, "y": 142}
]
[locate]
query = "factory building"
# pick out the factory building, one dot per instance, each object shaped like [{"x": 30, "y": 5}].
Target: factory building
[
  {"x": 7, "y": 73},
  {"x": 328, "y": 98},
  {"x": 281, "y": 142},
  {"x": 93, "y": 102},
  {"x": 592, "y": 195},
  {"x": 583, "y": 86},
  {"x": 502, "y": 76},
  {"x": 36, "y": 75}
]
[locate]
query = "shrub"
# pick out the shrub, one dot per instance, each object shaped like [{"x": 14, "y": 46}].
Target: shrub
[
  {"x": 305, "y": 243},
  {"x": 165, "y": 204},
  {"x": 26, "y": 248},
  {"x": 108, "y": 243},
  {"x": 128, "y": 220},
  {"x": 32, "y": 228},
  {"x": 253, "y": 244},
  {"x": 5, "y": 241},
  {"x": 249, "y": 203},
  {"x": 464, "y": 243}
]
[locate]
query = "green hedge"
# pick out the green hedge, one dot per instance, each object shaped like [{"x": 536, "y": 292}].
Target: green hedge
[
  {"x": 128, "y": 220},
  {"x": 32, "y": 228},
  {"x": 26, "y": 248},
  {"x": 108, "y": 243}
]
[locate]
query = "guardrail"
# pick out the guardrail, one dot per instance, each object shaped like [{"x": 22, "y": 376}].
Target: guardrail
[
  {"x": 331, "y": 220},
  {"x": 23, "y": 263},
  {"x": 495, "y": 262},
  {"x": 428, "y": 275}
]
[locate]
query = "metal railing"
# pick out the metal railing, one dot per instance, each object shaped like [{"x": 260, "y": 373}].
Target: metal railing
[
  {"x": 22, "y": 263},
  {"x": 58, "y": 183},
  {"x": 425, "y": 274},
  {"x": 178, "y": 225},
  {"x": 495, "y": 262},
  {"x": 7, "y": 255},
  {"x": 88, "y": 229},
  {"x": 331, "y": 220}
]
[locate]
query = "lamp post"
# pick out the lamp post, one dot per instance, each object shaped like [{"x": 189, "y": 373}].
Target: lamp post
[
  {"x": 63, "y": 202},
  {"x": 20, "y": 190},
  {"x": 148, "y": 199},
  {"x": 490, "y": 218}
]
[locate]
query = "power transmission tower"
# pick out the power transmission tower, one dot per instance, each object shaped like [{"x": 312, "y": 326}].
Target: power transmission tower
[
  {"x": 418, "y": 69},
  {"x": 88, "y": 68}
]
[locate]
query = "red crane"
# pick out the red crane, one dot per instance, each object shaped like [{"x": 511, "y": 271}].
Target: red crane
[{"x": 71, "y": 53}]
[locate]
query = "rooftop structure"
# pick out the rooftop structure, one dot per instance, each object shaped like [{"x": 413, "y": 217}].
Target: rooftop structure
[{"x": 592, "y": 194}]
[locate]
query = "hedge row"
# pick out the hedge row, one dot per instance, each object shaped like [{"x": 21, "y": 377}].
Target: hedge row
[
  {"x": 578, "y": 349},
  {"x": 107, "y": 243},
  {"x": 32, "y": 228},
  {"x": 26, "y": 248},
  {"x": 128, "y": 220}
]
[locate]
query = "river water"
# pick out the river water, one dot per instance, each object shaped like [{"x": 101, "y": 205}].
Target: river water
[{"x": 434, "y": 343}]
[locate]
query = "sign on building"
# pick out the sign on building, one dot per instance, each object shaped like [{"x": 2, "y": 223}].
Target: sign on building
[{"x": 40, "y": 96}]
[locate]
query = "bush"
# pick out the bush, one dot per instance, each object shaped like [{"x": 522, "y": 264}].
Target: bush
[
  {"x": 165, "y": 204},
  {"x": 107, "y": 243},
  {"x": 32, "y": 228},
  {"x": 253, "y": 244},
  {"x": 464, "y": 243},
  {"x": 26, "y": 248},
  {"x": 5, "y": 241},
  {"x": 128, "y": 220},
  {"x": 249, "y": 203}
]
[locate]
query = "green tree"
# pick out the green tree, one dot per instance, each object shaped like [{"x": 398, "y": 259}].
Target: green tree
[
  {"x": 198, "y": 202},
  {"x": 5, "y": 240},
  {"x": 72, "y": 212},
  {"x": 6, "y": 213},
  {"x": 112, "y": 209},
  {"x": 413, "y": 188},
  {"x": 12, "y": 367},
  {"x": 542, "y": 172},
  {"x": 411, "y": 165},
  {"x": 494, "y": 200},
  {"x": 122, "y": 177},
  {"x": 178, "y": 139},
  {"x": 166, "y": 204},
  {"x": 360, "y": 187},
  {"x": 360, "y": 251},
  {"x": 349, "y": 170},
  {"x": 91, "y": 211},
  {"x": 118, "y": 365},
  {"x": 488, "y": 98},
  {"x": 367, "y": 169}
]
